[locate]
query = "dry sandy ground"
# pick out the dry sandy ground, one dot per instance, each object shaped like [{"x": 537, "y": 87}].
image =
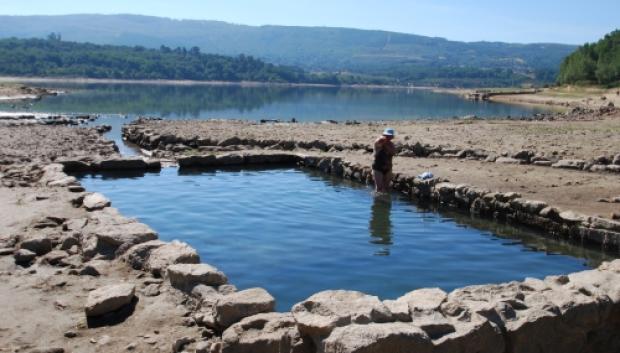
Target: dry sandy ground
[
  {"x": 566, "y": 96},
  {"x": 39, "y": 143}
]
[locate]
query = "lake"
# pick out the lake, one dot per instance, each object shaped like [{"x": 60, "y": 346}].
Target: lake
[{"x": 266, "y": 102}]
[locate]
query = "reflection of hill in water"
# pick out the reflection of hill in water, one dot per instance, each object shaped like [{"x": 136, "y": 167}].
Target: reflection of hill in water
[
  {"x": 165, "y": 100},
  {"x": 303, "y": 103}
]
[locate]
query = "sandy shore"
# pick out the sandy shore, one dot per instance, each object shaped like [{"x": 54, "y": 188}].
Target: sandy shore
[{"x": 564, "y": 97}]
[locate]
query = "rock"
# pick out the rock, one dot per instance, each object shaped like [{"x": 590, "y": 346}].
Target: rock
[
  {"x": 132, "y": 346},
  {"x": 426, "y": 299},
  {"x": 40, "y": 245},
  {"x": 230, "y": 159},
  {"x": 399, "y": 310},
  {"x": 543, "y": 163},
  {"x": 523, "y": 155},
  {"x": 226, "y": 289},
  {"x": 116, "y": 235},
  {"x": 109, "y": 298},
  {"x": 76, "y": 188},
  {"x": 265, "y": 333},
  {"x": 203, "y": 347},
  {"x": 7, "y": 251},
  {"x": 378, "y": 338},
  {"x": 186, "y": 276},
  {"x": 55, "y": 257},
  {"x": 68, "y": 241},
  {"x": 197, "y": 161},
  {"x": 528, "y": 206},
  {"x": 152, "y": 290},
  {"x": 508, "y": 160},
  {"x": 70, "y": 334},
  {"x": 180, "y": 343},
  {"x": 137, "y": 255},
  {"x": 318, "y": 315},
  {"x": 234, "y": 307},
  {"x": 95, "y": 201},
  {"x": 23, "y": 256},
  {"x": 169, "y": 254},
  {"x": 122, "y": 164},
  {"x": 208, "y": 295},
  {"x": 572, "y": 217},
  {"x": 569, "y": 164},
  {"x": 616, "y": 159},
  {"x": 90, "y": 270}
]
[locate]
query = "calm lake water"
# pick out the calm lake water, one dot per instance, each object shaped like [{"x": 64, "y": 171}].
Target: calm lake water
[
  {"x": 268, "y": 102},
  {"x": 295, "y": 232}
]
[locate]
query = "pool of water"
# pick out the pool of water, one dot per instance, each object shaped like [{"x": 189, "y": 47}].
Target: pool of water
[{"x": 296, "y": 232}]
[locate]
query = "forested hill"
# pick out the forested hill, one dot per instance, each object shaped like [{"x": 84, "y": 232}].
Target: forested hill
[
  {"x": 406, "y": 58},
  {"x": 596, "y": 63},
  {"x": 54, "y": 57}
]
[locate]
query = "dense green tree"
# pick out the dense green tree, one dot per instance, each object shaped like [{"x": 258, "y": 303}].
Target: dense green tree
[
  {"x": 597, "y": 63},
  {"x": 54, "y": 57}
]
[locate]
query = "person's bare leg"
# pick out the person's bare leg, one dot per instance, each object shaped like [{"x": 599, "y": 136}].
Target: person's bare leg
[
  {"x": 378, "y": 177},
  {"x": 387, "y": 178}
]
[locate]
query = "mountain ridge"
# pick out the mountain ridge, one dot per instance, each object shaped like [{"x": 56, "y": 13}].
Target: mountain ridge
[{"x": 405, "y": 57}]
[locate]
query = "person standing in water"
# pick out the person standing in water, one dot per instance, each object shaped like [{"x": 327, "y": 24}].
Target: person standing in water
[{"x": 382, "y": 164}]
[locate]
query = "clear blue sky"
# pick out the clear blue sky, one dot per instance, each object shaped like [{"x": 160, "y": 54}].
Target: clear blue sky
[{"x": 565, "y": 21}]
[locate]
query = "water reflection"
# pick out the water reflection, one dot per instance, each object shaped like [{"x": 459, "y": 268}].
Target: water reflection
[
  {"x": 380, "y": 224},
  {"x": 275, "y": 102}
]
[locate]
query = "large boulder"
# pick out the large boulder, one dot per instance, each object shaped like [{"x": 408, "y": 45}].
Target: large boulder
[
  {"x": 318, "y": 315},
  {"x": 186, "y": 276},
  {"x": 175, "y": 252},
  {"x": 265, "y": 333},
  {"x": 236, "y": 306},
  {"x": 95, "y": 201},
  {"x": 109, "y": 298},
  {"x": 396, "y": 337}
]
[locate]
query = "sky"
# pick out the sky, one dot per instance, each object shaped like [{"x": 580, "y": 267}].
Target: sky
[{"x": 522, "y": 21}]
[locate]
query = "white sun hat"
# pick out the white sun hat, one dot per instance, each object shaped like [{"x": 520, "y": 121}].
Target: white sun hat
[{"x": 389, "y": 132}]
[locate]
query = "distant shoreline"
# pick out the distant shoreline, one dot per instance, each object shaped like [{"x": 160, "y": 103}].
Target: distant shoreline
[{"x": 84, "y": 80}]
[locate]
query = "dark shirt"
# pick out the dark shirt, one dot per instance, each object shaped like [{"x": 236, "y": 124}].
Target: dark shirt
[{"x": 384, "y": 151}]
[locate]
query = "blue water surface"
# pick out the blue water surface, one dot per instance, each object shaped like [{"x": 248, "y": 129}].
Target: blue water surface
[{"x": 296, "y": 232}]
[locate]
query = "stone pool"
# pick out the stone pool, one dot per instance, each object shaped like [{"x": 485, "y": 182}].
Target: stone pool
[{"x": 296, "y": 232}]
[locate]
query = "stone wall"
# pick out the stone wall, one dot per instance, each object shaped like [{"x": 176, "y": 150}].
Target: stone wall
[
  {"x": 578, "y": 312},
  {"x": 169, "y": 145}
]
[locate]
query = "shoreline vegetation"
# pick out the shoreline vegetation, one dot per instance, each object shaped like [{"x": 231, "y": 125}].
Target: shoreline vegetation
[{"x": 53, "y": 57}]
